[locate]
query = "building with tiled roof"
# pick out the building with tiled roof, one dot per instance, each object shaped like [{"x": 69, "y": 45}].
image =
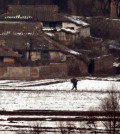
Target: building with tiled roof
[
  {"x": 48, "y": 15},
  {"x": 22, "y": 30},
  {"x": 8, "y": 56},
  {"x": 41, "y": 13},
  {"x": 19, "y": 28},
  {"x": 28, "y": 40},
  {"x": 8, "y": 53}
]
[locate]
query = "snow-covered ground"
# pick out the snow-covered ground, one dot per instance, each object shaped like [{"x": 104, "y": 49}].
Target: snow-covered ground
[
  {"x": 84, "y": 84},
  {"x": 53, "y": 94},
  {"x": 49, "y": 100}
]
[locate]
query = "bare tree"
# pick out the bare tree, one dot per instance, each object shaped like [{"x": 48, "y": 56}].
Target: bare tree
[
  {"x": 32, "y": 130},
  {"x": 66, "y": 128},
  {"x": 110, "y": 105},
  {"x": 105, "y": 6},
  {"x": 117, "y": 3}
]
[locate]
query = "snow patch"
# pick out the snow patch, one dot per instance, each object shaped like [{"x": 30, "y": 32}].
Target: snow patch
[
  {"x": 18, "y": 17},
  {"x": 69, "y": 30},
  {"x": 115, "y": 64},
  {"x": 77, "y": 20}
]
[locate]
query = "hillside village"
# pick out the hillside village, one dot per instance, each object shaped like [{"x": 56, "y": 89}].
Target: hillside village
[
  {"x": 36, "y": 37},
  {"x": 45, "y": 45}
]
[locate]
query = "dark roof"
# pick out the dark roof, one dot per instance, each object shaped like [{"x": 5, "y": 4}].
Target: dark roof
[
  {"x": 33, "y": 13},
  {"x": 67, "y": 50},
  {"x": 14, "y": 42},
  {"x": 39, "y": 8},
  {"x": 23, "y": 36},
  {"x": 19, "y": 28},
  {"x": 38, "y": 43},
  {"x": 8, "y": 53}
]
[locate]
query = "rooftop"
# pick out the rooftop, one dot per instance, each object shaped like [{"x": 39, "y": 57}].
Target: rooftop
[
  {"x": 71, "y": 31},
  {"x": 77, "y": 20},
  {"x": 36, "y": 13},
  {"x": 19, "y": 28},
  {"x": 8, "y": 53}
]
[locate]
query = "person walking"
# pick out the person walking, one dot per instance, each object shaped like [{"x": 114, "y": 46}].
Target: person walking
[{"x": 74, "y": 82}]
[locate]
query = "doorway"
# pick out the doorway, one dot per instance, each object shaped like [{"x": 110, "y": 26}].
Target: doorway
[{"x": 91, "y": 67}]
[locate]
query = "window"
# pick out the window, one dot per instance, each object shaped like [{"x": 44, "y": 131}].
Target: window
[
  {"x": 45, "y": 55},
  {"x": 1, "y": 59},
  {"x": 50, "y": 24},
  {"x": 53, "y": 24},
  {"x": 72, "y": 28}
]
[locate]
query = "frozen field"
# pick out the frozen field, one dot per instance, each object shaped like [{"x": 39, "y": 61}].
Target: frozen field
[
  {"x": 52, "y": 94},
  {"x": 84, "y": 84},
  {"x": 55, "y": 94},
  {"x": 49, "y": 100}
]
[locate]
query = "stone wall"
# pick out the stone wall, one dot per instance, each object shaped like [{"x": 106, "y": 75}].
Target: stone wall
[
  {"x": 53, "y": 71},
  {"x": 61, "y": 70},
  {"x": 83, "y": 68},
  {"x": 28, "y": 73},
  {"x": 18, "y": 72},
  {"x": 3, "y": 72}
]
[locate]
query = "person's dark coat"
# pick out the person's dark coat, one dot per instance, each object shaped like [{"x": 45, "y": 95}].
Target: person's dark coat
[{"x": 74, "y": 82}]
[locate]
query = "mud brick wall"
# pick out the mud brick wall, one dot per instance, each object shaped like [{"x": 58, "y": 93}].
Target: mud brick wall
[
  {"x": 3, "y": 72},
  {"x": 104, "y": 63},
  {"x": 53, "y": 71},
  {"x": 34, "y": 72},
  {"x": 22, "y": 73},
  {"x": 18, "y": 72},
  {"x": 83, "y": 68},
  {"x": 28, "y": 73}
]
